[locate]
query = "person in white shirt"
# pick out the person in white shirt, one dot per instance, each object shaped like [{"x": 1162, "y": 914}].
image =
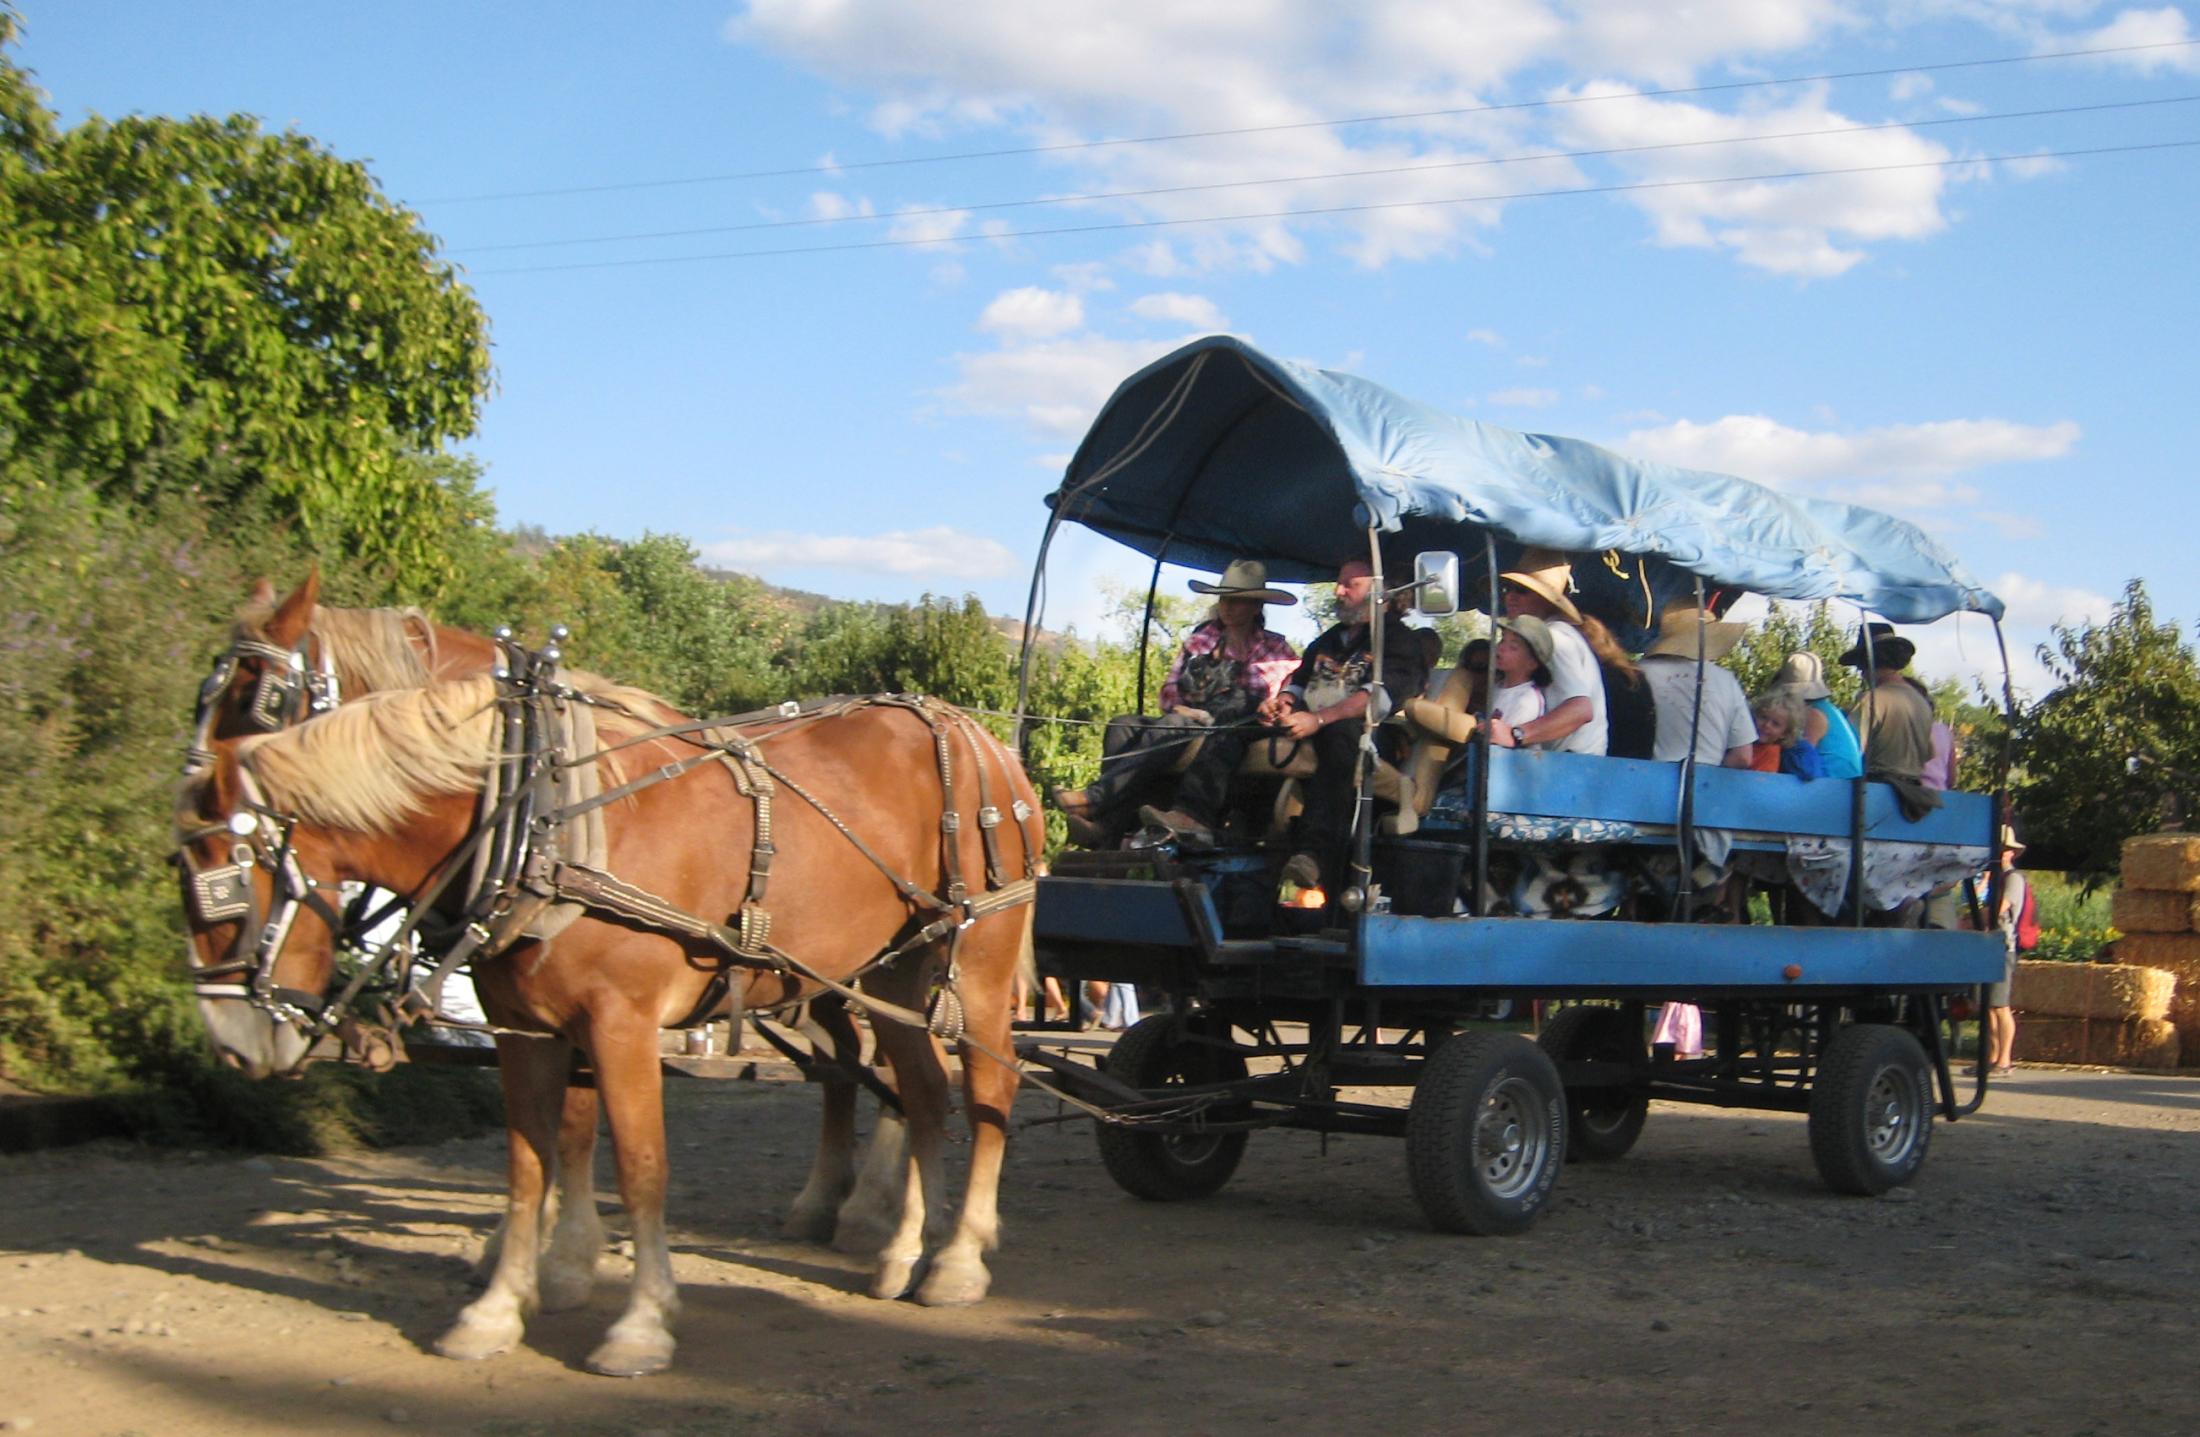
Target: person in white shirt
[
  {"x": 1523, "y": 660},
  {"x": 1724, "y": 732},
  {"x": 1536, "y": 587}
]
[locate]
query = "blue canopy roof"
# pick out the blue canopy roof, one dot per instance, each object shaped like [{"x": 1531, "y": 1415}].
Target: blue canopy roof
[{"x": 1219, "y": 451}]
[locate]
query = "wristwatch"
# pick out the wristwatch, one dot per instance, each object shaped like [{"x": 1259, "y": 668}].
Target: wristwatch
[{"x": 1518, "y": 737}]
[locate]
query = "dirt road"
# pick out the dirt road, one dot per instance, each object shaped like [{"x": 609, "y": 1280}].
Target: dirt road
[{"x": 2040, "y": 1277}]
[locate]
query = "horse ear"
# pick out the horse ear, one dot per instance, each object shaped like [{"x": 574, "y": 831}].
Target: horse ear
[
  {"x": 295, "y": 615},
  {"x": 262, "y": 593}
]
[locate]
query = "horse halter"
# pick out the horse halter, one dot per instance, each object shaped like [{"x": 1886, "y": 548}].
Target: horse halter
[
  {"x": 225, "y": 893},
  {"x": 293, "y": 687}
]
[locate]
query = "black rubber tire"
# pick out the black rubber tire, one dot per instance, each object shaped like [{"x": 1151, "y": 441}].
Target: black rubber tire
[
  {"x": 1601, "y": 1123},
  {"x": 1486, "y": 1134},
  {"x": 1871, "y": 1109},
  {"x": 1161, "y": 1167}
]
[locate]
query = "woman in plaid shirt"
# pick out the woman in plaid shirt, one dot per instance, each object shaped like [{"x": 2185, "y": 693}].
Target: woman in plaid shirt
[{"x": 1226, "y": 667}]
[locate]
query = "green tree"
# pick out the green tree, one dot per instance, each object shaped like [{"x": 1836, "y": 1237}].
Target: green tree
[
  {"x": 198, "y": 301},
  {"x": 1792, "y": 629},
  {"x": 2126, "y": 689}
]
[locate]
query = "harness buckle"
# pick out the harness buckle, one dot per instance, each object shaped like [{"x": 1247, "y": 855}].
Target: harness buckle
[
  {"x": 989, "y": 817},
  {"x": 951, "y": 822}
]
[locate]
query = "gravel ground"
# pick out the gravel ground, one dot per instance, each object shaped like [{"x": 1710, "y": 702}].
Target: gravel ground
[{"x": 2039, "y": 1277}]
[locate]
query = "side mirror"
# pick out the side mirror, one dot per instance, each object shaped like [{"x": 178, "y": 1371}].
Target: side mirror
[{"x": 1436, "y": 583}]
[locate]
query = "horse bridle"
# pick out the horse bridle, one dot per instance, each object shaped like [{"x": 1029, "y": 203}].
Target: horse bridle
[
  {"x": 294, "y": 686},
  {"x": 225, "y": 892}
]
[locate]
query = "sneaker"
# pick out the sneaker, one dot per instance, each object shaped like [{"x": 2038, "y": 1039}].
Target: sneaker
[
  {"x": 1186, "y": 828},
  {"x": 1302, "y": 870}
]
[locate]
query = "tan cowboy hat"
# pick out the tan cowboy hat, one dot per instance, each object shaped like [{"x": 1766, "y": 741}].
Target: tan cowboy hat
[
  {"x": 1534, "y": 633},
  {"x": 1244, "y": 579},
  {"x": 2010, "y": 841},
  {"x": 1806, "y": 674},
  {"x": 1545, "y": 574},
  {"x": 1677, "y": 636}
]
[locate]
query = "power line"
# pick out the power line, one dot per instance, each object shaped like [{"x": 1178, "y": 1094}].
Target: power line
[
  {"x": 1073, "y": 145},
  {"x": 1433, "y": 165},
  {"x": 1348, "y": 209}
]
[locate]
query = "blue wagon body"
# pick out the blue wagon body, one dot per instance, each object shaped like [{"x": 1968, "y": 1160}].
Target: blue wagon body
[{"x": 1273, "y": 1014}]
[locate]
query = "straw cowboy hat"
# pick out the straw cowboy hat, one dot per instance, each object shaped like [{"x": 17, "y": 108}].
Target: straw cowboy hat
[
  {"x": 1545, "y": 574},
  {"x": 1677, "y": 635},
  {"x": 1534, "y": 633},
  {"x": 1806, "y": 674},
  {"x": 1889, "y": 649},
  {"x": 1244, "y": 579},
  {"x": 2010, "y": 841}
]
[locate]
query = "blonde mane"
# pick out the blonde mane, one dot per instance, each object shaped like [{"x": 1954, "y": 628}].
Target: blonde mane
[
  {"x": 372, "y": 649},
  {"x": 369, "y": 764}
]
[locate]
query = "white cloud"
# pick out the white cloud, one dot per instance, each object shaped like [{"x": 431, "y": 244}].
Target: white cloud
[
  {"x": 1667, "y": 47},
  {"x": 1084, "y": 277},
  {"x": 928, "y": 224},
  {"x": 1032, "y": 313},
  {"x": 1909, "y": 87},
  {"x": 1764, "y": 449},
  {"x": 1533, "y": 361},
  {"x": 2037, "y": 605},
  {"x": 1272, "y": 70},
  {"x": 1525, "y": 398},
  {"x": 1193, "y": 311},
  {"x": 940, "y": 551},
  {"x": 1055, "y": 386},
  {"x": 832, "y": 205},
  {"x": 2032, "y": 167},
  {"x": 2166, "y": 26},
  {"x": 1812, "y": 227},
  {"x": 1489, "y": 337}
]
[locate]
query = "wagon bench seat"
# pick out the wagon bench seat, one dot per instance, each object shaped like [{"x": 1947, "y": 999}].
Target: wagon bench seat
[{"x": 1762, "y": 810}]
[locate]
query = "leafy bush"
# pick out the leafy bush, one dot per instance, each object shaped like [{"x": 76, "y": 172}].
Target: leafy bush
[{"x": 2074, "y": 925}]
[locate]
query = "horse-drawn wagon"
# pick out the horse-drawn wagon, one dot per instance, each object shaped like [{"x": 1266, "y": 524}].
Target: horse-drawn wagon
[{"x": 1275, "y": 1015}]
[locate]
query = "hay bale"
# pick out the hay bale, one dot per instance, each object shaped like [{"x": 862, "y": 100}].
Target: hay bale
[
  {"x": 2167, "y": 861},
  {"x": 2177, "y": 954},
  {"x": 2153, "y": 910},
  {"x": 2143, "y": 1044},
  {"x": 2112, "y": 991}
]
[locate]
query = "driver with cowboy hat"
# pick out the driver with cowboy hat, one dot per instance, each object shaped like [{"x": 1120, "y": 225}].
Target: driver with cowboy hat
[{"x": 1226, "y": 667}]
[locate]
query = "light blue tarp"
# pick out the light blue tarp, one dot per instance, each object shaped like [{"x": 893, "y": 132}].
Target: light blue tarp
[{"x": 1219, "y": 451}]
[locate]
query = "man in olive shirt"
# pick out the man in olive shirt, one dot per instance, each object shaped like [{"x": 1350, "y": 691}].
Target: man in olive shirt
[{"x": 1893, "y": 717}]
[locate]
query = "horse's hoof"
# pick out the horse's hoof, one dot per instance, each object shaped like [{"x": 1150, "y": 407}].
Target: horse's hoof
[
  {"x": 564, "y": 1291},
  {"x": 472, "y": 1341},
  {"x": 624, "y": 1356},
  {"x": 955, "y": 1285},
  {"x": 895, "y": 1276}
]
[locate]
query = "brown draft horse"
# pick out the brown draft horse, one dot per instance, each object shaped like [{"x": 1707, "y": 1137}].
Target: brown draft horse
[
  {"x": 384, "y": 791},
  {"x": 288, "y": 654}
]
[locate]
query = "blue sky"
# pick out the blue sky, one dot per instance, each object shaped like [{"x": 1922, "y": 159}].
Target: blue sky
[{"x": 2001, "y": 350}]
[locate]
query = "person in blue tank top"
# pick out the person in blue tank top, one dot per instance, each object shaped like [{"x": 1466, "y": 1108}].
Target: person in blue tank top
[{"x": 1804, "y": 675}]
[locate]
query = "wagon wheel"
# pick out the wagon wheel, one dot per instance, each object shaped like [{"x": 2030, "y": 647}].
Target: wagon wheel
[
  {"x": 1164, "y": 1167},
  {"x": 1601, "y": 1123},
  {"x": 1486, "y": 1134},
  {"x": 1871, "y": 1109}
]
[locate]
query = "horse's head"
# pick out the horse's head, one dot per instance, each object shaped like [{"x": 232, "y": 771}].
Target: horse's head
[
  {"x": 270, "y": 676},
  {"x": 263, "y": 910}
]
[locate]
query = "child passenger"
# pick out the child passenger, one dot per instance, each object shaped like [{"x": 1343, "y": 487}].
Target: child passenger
[
  {"x": 1524, "y": 649},
  {"x": 1782, "y": 746}
]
